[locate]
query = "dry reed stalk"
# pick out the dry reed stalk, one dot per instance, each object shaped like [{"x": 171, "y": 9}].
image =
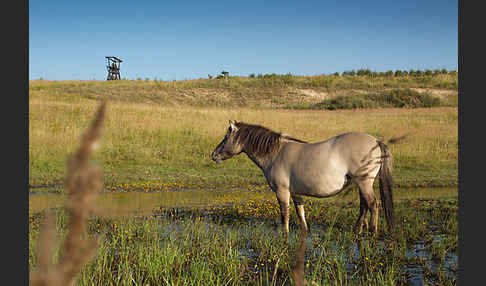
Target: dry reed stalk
[
  {"x": 298, "y": 269},
  {"x": 82, "y": 183},
  {"x": 275, "y": 268}
]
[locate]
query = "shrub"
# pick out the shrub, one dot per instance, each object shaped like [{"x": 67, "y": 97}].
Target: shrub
[
  {"x": 350, "y": 73},
  {"x": 408, "y": 98},
  {"x": 364, "y": 72},
  {"x": 346, "y": 102},
  {"x": 288, "y": 79},
  {"x": 405, "y": 98}
]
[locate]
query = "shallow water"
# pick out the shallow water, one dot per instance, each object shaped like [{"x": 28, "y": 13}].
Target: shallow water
[{"x": 116, "y": 204}]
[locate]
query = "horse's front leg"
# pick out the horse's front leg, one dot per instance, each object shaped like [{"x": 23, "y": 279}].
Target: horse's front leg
[
  {"x": 299, "y": 208},
  {"x": 283, "y": 197}
]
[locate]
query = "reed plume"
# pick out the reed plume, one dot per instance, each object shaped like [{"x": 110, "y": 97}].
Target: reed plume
[{"x": 82, "y": 183}]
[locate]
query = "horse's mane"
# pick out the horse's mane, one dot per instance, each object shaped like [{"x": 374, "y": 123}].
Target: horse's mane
[{"x": 260, "y": 140}]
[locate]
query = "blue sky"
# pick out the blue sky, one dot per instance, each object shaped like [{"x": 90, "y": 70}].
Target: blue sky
[{"x": 177, "y": 40}]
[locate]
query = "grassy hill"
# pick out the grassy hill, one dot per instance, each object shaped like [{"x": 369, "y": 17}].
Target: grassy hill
[{"x": 265, "y": 91}]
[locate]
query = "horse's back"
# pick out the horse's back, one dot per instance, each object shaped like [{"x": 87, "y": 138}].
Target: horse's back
[{"x": 346, "y": 146}]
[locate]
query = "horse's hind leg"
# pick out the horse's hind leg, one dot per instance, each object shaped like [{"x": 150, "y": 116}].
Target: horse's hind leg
[
  {"x": 363, "y": 208},
  {"x": 366, "y": 191},
  {"x": 299, "y": 208}
]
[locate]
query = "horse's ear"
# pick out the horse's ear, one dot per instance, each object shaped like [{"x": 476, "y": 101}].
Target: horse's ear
[{"x": 233, "y": 125}]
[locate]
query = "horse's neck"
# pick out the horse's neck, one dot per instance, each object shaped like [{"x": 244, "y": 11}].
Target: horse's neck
[{"x": 263, "y": 162}]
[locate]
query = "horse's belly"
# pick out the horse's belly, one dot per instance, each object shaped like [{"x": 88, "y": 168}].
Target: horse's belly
[{"x": 320, "y": 188}]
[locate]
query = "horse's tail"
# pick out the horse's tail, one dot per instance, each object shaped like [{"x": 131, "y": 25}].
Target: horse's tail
[{"x": 386, "y": 185}]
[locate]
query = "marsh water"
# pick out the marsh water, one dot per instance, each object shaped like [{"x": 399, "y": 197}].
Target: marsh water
[
  {"x": 117, "y": 204},
  {"x": 146, "y": 204}
]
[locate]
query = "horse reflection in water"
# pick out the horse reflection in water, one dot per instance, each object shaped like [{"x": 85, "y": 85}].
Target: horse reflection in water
[{"x": 294, "y": 168}]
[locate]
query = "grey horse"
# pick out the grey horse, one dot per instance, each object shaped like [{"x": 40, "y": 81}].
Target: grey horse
[{"x": 295, "y": 168}]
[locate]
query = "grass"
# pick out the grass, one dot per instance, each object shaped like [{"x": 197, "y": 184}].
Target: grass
[
  {"x": 160, "y": 134},
  {"x": 161, "y": 146},
  {"x": 240, "y": 243}
]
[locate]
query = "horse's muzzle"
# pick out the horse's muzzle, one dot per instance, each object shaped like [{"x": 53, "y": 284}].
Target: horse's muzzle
[{"x": 216, "y": 157}]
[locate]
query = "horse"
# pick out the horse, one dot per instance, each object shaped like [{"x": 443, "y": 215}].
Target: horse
[{"x": 294, "y": 168}]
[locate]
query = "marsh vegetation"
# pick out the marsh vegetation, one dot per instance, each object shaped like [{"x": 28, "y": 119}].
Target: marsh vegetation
[{"x": 233, "y": 237}]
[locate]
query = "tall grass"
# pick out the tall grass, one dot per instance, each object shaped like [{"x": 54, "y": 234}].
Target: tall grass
[{"x": 152, "y": 143}]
